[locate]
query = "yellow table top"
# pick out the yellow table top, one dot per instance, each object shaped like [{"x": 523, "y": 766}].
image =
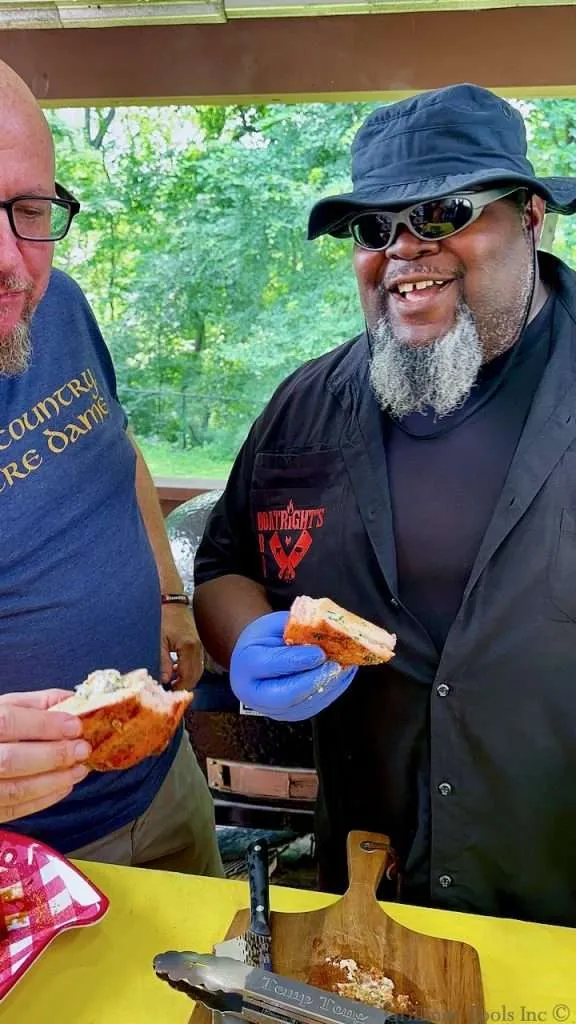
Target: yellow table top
[{"x": 103, "y": 974}]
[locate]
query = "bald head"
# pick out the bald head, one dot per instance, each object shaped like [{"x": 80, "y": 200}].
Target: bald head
[
  {"x": 21, "y": 116},
  {"x": 26, "y": 170}
]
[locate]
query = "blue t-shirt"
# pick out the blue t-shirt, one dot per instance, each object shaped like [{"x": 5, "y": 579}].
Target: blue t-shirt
[{"x": 79, "y": 589}]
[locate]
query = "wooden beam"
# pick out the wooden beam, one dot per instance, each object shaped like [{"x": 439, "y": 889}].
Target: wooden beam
[{"x": 516, "y": 51}]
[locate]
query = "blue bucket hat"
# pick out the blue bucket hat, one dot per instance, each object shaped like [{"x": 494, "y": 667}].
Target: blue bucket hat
[{"x": 456, "y": 139}]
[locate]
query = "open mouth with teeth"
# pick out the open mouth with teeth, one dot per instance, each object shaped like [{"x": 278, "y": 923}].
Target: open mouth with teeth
[{"x": 411, "y": 290}]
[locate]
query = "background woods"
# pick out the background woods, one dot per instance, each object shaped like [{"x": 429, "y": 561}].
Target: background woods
[{"x": 191, "y": 246}]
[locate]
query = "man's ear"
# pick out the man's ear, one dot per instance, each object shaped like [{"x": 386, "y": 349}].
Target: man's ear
[{"x": 533, "y": 216}]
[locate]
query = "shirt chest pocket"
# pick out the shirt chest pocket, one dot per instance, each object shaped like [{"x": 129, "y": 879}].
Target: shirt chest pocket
[
  {"x": 298, "y": 513},
  {"x": 562, "y": 572},
  {"x": 563, "y": 569}
]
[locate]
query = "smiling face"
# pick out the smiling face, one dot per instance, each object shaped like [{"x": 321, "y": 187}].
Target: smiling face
[
  {"x": 420, "y": 285},
  {"x": 438, "y": 309}
]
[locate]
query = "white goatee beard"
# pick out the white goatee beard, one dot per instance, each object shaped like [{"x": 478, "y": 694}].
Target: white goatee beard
[
  {"x": 437, "y": 376},
  {"x": 16, "y": 349}
]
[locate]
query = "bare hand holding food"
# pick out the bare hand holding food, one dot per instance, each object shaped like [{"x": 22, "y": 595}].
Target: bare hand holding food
[{"x": 42, "y": 755}]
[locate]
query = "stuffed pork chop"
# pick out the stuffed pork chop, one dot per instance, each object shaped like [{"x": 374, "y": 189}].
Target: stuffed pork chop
[
  {"x": 125, "y": 718},
  {"x": 344, "y": 637}
]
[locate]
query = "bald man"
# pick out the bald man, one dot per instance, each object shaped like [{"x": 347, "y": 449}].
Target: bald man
[{"x": 85, "y": 564}]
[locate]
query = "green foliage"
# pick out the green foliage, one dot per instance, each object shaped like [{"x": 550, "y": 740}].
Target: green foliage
[
  {"x": 191, "y": 246},
  {"x": 552, "y": 146}
]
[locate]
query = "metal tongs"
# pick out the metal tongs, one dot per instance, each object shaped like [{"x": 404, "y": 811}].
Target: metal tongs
[{"x": 228, "y": 986}]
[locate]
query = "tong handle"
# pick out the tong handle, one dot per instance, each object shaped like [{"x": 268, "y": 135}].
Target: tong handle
[
  {"x": 272, "y": 999},
  {"x": 258, "y": 880}
]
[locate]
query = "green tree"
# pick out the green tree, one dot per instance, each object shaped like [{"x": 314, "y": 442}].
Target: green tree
[{"x": 191, "y": 246}]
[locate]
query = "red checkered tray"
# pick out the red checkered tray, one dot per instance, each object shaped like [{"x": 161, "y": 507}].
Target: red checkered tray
[{"x": 41, "y": 895}]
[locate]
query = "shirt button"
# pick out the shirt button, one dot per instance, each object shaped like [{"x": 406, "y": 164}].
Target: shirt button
[
  {"x": 445, "y": 788},
  {"x": 394, "y": 603},
  {"x": 443, "y": 690},
  {"x": 445, "y": 881}
]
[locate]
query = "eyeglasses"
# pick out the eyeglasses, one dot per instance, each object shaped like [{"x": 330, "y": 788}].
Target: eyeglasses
[
  {"x": 41, "y": 218},
  {"x": 430, "y": 221}
]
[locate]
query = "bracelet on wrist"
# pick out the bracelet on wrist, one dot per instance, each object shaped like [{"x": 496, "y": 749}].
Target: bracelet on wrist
[{"x": 176, "y": 599}]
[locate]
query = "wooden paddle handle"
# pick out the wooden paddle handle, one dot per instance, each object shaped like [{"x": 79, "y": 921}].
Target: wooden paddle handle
[{"x": 368, "y": 854}]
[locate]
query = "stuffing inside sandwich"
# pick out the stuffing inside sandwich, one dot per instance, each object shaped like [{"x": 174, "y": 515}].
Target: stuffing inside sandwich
[
  {"x": 345, "y": 638},
  {"x": 125, "y": 718}
]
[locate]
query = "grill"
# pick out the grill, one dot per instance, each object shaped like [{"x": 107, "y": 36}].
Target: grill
[{"x": 261, "y": 773}]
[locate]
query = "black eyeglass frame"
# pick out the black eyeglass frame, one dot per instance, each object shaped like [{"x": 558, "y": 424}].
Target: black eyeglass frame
[
  {"x": 476, "y": 200},
  {"x": 63, "y": 198}
]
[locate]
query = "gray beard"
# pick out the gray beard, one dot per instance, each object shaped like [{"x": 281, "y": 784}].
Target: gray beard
[
  {"x": 437, "y": 376},
  {"x": 16, "y": 349}
]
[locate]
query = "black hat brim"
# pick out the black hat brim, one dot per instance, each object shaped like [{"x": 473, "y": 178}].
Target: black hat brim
[{"x": 331, "y": 216}]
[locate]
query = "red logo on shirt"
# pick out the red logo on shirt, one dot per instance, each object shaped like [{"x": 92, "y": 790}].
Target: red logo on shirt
[{"x": 286, "y": 533}]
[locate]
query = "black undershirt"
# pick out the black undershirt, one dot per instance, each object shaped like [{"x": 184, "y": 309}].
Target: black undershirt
[{"x": 446, "y": 476}]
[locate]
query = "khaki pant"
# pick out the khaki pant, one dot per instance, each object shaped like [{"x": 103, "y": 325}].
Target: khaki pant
[{"x": 176, "y": 833}]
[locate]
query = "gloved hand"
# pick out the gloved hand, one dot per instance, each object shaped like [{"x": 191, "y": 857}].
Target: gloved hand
[{"x": 283, "y": 682}]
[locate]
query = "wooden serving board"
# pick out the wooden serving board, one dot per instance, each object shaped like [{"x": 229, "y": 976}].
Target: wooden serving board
[{"x": 441, "y": 976}]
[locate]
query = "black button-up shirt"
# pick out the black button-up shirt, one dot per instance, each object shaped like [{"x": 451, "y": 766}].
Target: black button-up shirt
[
  {"x": 467, "y": 760},
  {"x": 446, "y": 474}
]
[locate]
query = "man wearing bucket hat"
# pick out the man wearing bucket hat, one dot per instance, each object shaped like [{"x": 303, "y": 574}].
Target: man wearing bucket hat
[{"x": 423, "y": 475}]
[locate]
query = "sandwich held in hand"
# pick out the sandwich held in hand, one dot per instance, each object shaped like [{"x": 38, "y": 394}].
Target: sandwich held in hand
[
  {"x": 345, "y": 638},
  {"x": 125, "y": 718},
  {"x": 287, "y": 683}
]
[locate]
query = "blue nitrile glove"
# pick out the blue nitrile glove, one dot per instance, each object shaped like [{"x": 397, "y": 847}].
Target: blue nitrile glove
[{"x": 284, "y": 682}]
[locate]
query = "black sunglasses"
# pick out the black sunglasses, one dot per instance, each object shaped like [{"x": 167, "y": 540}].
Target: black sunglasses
[{"x": 431, "y": 221}]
